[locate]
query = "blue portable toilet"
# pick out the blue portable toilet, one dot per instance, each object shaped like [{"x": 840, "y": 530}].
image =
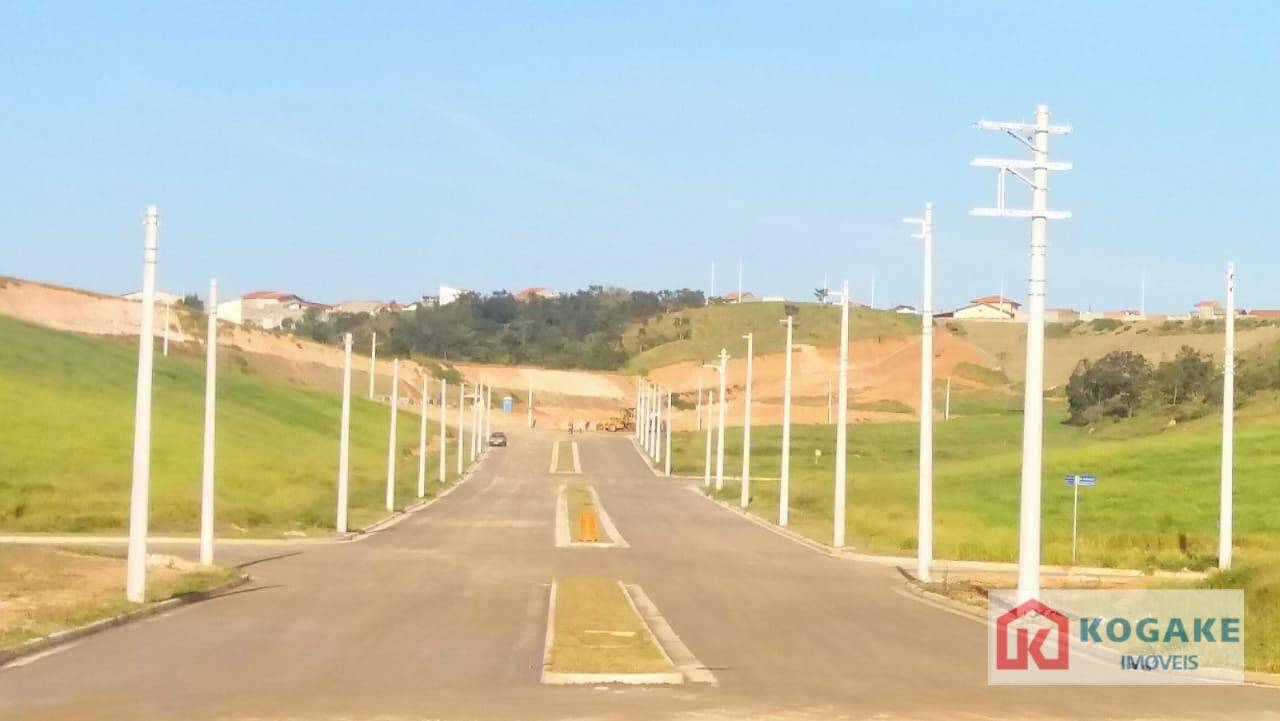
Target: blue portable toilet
[{"x": 507, "y": 404}]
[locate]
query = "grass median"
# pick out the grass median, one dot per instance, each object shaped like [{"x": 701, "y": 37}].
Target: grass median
[
  {"x": 598, "y": 632},
  {"x": 46, "y": 590},
  {"x": 66, "y": 453},
  {"x": 564, "y": 457}
]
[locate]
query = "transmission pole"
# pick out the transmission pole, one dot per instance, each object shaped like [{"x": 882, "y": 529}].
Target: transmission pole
[{"x": 1035, "y": 136}]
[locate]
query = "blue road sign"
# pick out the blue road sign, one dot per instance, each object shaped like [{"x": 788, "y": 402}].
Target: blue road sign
[{"x": 1082, "y": 480}]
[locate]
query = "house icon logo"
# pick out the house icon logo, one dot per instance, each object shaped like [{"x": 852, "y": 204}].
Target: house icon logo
[{"x": 1027, "y": 648}]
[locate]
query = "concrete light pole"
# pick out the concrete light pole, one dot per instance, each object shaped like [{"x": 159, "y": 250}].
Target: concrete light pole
[
  {"x": 444, "y": 435},
  {"x": 462, "y": 422},
  {"x": 657, "y": 423},
  {"x": 635, "y": 431},
  {"x": 422, "y": 442},
  {"x": 722, "y": 368},
  {"x": 668, "y": 446},
  {"x": 946, "y": 407},
  {"x": 488, "y": 415},
  {"x": 373, "y": 361},
  {"x": 642, "y": 415},
  {"x": 746, "y": 426},
  {"x": 842, "y": 428},
  {"x": 706, "y": 464},
  {"x": 139, "y": 500},
  {"x": 784, "y": 491},
  {"x": 210, "y": 399},
  {"x": 1228, "y": 424},
  {"x": 924, "y": 544},
  {"x": 1033, "y": 400},
  {"x": 344, "y": 436},
  {"x": 391, "y": 441},
  {"x": 698, "y": 411}
]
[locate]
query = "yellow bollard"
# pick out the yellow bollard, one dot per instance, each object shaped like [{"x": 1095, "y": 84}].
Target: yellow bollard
[{"x": 587, "y": 526}]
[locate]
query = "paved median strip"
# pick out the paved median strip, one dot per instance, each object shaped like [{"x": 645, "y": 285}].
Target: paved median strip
[
  {"x": 581, "y": 520},
  {"x": 597, "y": 632},
  {"x": 564, "y": 457}
]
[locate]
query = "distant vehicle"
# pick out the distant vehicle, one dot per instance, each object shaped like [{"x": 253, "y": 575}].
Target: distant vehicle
[{"x": 498, "y": 438}]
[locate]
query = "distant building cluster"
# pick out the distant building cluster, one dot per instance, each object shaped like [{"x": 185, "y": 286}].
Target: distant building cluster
[
  {"x": 275, "y": 309},
  {"x": 1001, "y": 308}
]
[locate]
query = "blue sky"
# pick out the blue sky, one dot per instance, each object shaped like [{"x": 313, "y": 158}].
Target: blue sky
[{"x": 376, "y": 150}]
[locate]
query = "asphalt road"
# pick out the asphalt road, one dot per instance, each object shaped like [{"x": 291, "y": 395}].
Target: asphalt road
[{"x": 443, "y": 617}]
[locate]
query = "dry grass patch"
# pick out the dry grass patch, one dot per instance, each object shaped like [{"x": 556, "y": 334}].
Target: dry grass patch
[
  {"x": 44, "y": 590},
  {"x": 598, "y": 631}
]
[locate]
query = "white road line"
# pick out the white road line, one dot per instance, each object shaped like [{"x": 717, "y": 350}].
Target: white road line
[{"x": 672, "y": 647}]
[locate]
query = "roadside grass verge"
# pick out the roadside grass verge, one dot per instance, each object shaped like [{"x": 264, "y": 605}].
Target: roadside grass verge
[
  {"x": 1155, "y": 506},
  {"x": 598, "y": 631},
  {"x": 45, "y": 590},
  {"x": 66, "y": 454}
]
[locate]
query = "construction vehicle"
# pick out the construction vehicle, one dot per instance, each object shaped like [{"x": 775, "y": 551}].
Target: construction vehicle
[{"x": 624, "y": 422}]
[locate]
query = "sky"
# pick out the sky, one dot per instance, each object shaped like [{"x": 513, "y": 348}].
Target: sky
[{"x": 377, "y": 150}]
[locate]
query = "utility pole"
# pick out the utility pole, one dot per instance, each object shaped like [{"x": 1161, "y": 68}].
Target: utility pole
[
  {"x": 784, "y": 491},
  {"x": 724, "y": 360},
  {"x": 344, "y": 436},
  {"x": 668, "y": 444},
  {"x": 422, "y": 442},
  {"x": 1033, "y": 400},
  {"x": 391, "y": 441},
  {"x": 842, "y": 428},
  {"x": 1228, "y": 424},
  {"x": 139, "y": 500},
  {"x": 946, "y": 408},
  {"x": 1142, "y": 307},
  {"x": 373, "y": 361},
  {"x": 698, "y": 412},
  {"x": 746, "y": 427},
  {"x": 462, "y": 423},
  {"x": 706, "y": 465},
  {"x": 924, "y": 543},
  {"x": 657, "y": 424},
  {"x": 210, "y": 399},
  {"x": 444, "y": 436},
  {"x": 639, "y": 415}
]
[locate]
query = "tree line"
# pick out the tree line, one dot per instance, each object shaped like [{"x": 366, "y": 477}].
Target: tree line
[
  {"x": 583, "y": 329},
  {"x": 1123, "y": 384}
]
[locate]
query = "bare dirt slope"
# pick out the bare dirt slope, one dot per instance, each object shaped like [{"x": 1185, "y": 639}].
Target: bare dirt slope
[{"x": 884, "y": 369}]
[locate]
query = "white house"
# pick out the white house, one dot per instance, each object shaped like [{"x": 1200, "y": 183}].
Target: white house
[
  {"x": 449, "y": 294},
  {"x": 990, "y": 307},
  {"x": 162, "y": 297},
  {"x": 265, "y": 309}
]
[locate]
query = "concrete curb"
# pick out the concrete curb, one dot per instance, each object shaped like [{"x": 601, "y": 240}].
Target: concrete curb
[
  {"x": 652, "y": 464},
  {"x": 910, "y": 588},
  {"x": 561, "y": 678},
  {"x": 941, "y": 566},
  {"x": 397, "y": 516},
  {"x": 53, "y": 640},
  {"x": 555, "y": 459}
]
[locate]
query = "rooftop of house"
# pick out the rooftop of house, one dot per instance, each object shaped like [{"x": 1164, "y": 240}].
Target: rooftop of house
[{"x": 996, "y": 299}]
